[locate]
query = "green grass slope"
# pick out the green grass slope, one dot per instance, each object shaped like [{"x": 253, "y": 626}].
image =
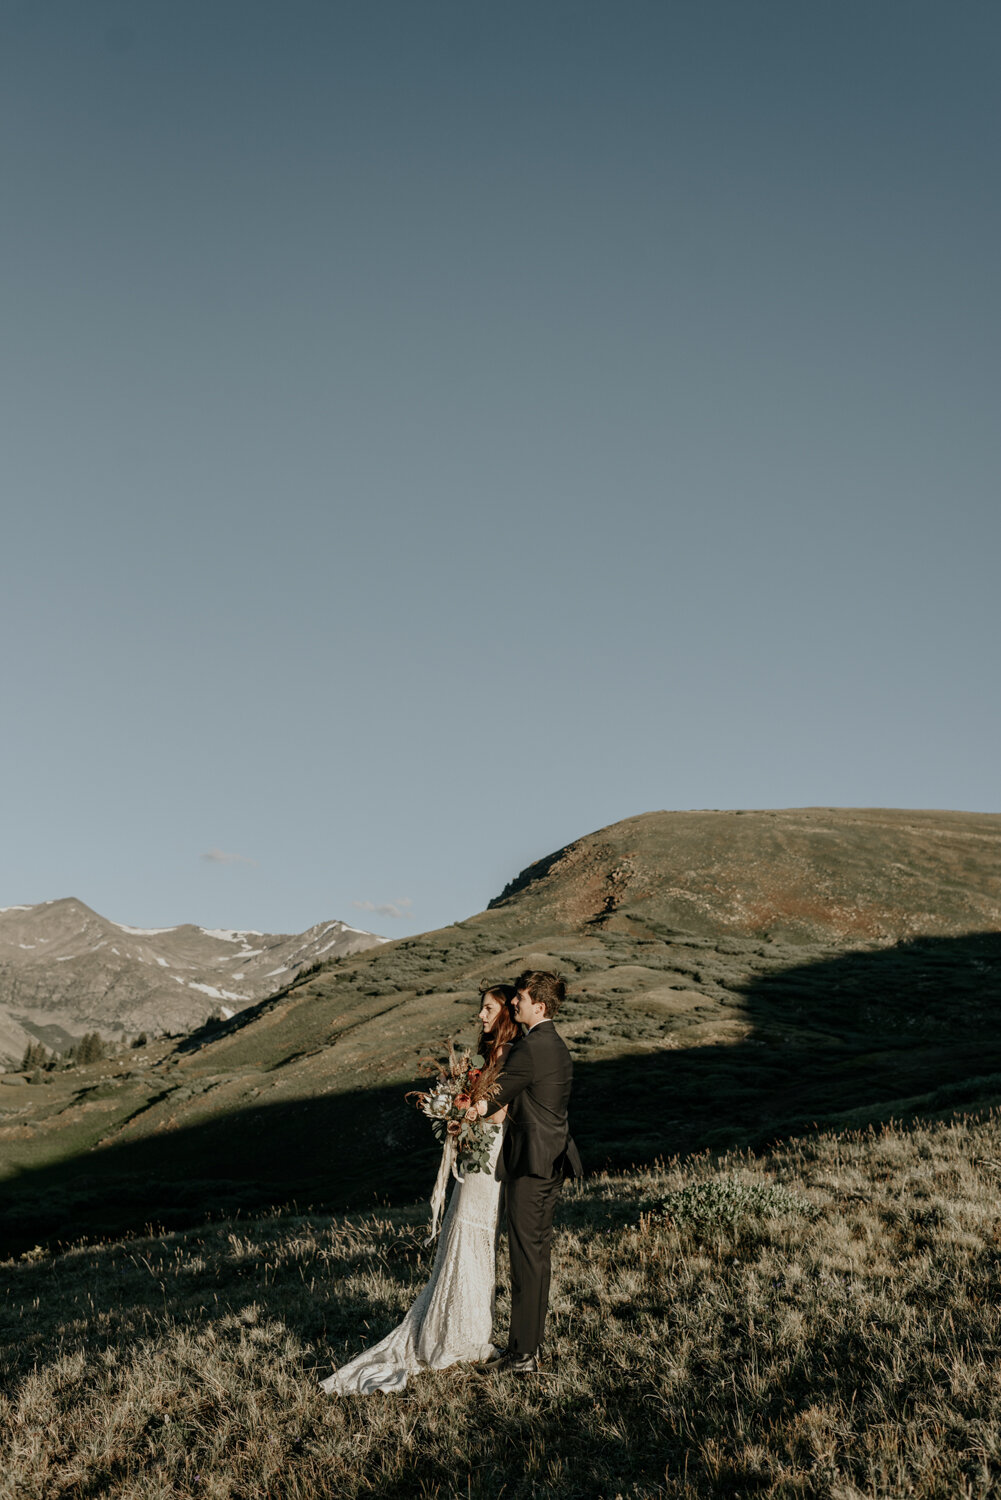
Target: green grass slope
[
  {"x": 734, "y": 977},
  {"x": 817, "y": 1321}
]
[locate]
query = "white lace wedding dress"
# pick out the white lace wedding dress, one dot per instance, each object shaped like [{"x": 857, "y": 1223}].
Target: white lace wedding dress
[{"x": 452, "y": 1317}]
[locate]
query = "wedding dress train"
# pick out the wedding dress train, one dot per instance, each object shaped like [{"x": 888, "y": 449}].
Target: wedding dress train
[{"x": 451, "y": 1319}]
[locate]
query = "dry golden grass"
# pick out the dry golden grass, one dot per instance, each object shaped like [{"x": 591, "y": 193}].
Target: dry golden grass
[{"x": 853, "y": 1354}]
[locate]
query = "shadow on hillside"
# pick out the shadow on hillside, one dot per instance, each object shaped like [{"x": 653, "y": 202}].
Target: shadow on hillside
[
  {"x": 863, "y": 1036},
  {"x": 841, "y": 1042},
  {"x": 338, "y": 1152}
]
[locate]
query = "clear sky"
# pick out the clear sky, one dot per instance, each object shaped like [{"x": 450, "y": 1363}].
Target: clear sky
[{"x": 431, "y": 432}]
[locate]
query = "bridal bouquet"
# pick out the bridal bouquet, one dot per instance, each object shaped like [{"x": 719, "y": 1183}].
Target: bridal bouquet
[{"x": 456, "y": 1089}]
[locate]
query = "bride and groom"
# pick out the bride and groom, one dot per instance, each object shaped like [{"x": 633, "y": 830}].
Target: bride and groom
[{"x": 528, "y": 1077}]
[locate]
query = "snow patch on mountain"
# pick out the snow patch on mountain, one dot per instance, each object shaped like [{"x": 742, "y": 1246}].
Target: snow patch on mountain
[
  {"x": 213, "y": 993},
  {"x": 230, "y": 934},
  {"x": 143, "y": 931}
]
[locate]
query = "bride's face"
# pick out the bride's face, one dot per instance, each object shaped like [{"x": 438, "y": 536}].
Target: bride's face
[{"x": 489, "y": 1011}]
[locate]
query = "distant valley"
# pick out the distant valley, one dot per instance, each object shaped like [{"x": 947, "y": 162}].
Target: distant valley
[{"x": 65, "y": 971}]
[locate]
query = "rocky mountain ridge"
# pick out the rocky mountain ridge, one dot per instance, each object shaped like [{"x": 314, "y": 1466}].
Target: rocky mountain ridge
[{"x": 66, "y": 970}]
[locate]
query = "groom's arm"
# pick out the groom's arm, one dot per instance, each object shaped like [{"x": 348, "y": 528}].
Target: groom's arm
[{"x": 514, "y": 1078}]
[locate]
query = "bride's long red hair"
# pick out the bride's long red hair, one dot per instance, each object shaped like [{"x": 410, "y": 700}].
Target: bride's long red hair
[{"x": 505, "y": 1030}]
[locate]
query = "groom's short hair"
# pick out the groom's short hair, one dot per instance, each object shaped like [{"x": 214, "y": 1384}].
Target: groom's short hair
[{"x": 544, "y": 987}]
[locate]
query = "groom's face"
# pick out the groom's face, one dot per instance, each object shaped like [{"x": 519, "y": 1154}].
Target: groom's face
[{"x": 525, "y": 1009}]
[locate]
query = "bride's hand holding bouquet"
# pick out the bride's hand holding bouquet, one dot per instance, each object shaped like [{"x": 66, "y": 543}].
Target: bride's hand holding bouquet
[{"x": 456, "y": 1103}]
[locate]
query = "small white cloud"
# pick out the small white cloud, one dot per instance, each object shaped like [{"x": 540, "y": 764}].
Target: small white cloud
[
  {"x": 220, "y": 857},
  {"x": 400, "y": 909}
]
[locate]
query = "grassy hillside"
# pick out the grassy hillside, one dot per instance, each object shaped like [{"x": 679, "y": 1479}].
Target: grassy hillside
[
  {"x": 794, "y": 875},
  {"x": 817, "y": 1321},
  {"x": 877, "y": 995}
]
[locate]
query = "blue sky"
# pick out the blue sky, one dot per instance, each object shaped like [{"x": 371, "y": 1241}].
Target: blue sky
[{"x": 432, "y": 432}]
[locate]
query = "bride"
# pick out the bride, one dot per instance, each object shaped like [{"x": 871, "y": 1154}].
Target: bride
[{"x": 452, "y": 1318}]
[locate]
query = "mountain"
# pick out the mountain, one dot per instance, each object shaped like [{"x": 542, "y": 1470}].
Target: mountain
[
  {"x": 801, "y": 875},
  {"x": 734, "y": 977},
  {"x": 65, "y": 970}
]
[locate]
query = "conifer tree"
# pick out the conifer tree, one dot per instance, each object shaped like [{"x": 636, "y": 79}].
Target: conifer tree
[
  {"x": 35, "y": 1056},
  {"x": 90, "y": 1048}
]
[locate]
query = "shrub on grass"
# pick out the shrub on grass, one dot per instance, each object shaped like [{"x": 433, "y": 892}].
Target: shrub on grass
[{"x": 726, "y": 1202}]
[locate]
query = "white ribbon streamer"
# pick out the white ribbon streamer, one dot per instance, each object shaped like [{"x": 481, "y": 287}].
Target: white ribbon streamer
[{"x": 445, "y": 1170}]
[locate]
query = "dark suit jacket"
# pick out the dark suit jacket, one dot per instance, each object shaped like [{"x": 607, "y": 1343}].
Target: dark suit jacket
[{"x": 535, "y": 1083}]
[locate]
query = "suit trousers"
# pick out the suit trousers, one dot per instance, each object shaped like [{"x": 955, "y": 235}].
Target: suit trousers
[{"x": 531, "y": 1203}]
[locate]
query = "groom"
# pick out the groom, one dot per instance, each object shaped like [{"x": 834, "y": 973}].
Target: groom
[{"x": 538, "y": 1154}]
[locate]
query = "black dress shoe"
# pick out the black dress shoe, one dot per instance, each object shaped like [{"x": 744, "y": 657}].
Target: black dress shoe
[
  {"x": 491, "y": 1363},
  {"x": 511, "y": 1363}
]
